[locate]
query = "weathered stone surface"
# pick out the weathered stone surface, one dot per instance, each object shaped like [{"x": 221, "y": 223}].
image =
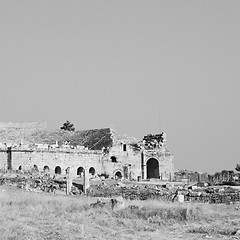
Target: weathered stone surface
[
  {"x": 237, "y": 233},
  {"x": 104, "y": 150}
]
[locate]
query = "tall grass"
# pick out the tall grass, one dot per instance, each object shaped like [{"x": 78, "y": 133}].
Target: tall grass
[{"x": 28, "y": 215}]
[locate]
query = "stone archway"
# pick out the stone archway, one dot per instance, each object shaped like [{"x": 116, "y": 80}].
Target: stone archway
[
  {"x": 118, "y": 175},
  {"x": 92, "y": 171},
  {"x": 80, "y": 171},
  {"x": 152, "y": 168},
  {"x": 35, "y": 168},
  {"x": 46, "y": 169},
  {"x": 58, "y": 170}
]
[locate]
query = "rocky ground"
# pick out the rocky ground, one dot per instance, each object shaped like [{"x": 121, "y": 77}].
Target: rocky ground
[{"x": 130, "y": 190}]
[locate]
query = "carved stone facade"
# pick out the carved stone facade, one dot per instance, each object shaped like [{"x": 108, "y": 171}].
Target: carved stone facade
[{"x": 97, "y": 152}]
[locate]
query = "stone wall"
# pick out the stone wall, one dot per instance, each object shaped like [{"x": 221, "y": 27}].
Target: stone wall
[
  {"x": 3, "y": 159},
  {"x": 128, "y": 161},
  {"x": 166, "y": 168},
  {"x": 30, "y": 145},
  {"x": 165, "y": 163},
  {"x": 27, "y": 160},
  {"x": 124, "y": 159}
]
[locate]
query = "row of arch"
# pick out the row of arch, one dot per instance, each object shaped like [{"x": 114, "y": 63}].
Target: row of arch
[
  {"x": 152, "y": 169},
  {"x": 58, "y": 170}
]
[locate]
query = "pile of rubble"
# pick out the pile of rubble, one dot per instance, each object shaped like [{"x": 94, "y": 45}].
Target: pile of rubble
[
  {"x": 216, "y": 194},
  {"x": 130, "y": 191},
  {"x": 152, "y": 141},
  {"x": 167, "y": 193},
  {"x": 41, "y": 183}
]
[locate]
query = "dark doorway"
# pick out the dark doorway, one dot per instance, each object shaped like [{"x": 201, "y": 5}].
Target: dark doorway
[
  {"x": 114, "y": 159},
  {"x": 80, "y": 171},
  {"x": 46, "y": 169},
  {"x": 35, "y": 168},
  {"x": 118, "y": 175},
  {"x": 92, "y": 170},
  {"x": 57, "y": 170},
  {"x": 152, "y": 168}
]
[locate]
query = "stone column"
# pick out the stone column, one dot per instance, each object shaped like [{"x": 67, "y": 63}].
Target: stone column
[
  {"x": 144, "y": 167},
  {"x": 86, "y": 183},
  {"x": 69, "y": 181},
  {"x": 145, "y": 171}
]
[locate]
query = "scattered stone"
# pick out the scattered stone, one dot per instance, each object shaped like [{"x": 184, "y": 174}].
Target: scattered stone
[
  {"x": 237, "y": 233},
  {"x": 126, "y": 191},
  {"x": 208, "y": 236}
]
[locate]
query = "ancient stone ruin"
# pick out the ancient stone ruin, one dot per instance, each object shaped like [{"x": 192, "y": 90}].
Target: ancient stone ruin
[{"x": 27, "y": 146}]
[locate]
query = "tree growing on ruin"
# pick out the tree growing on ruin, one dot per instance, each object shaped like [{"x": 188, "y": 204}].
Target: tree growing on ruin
[
  {"x": 68, "y": 126},
  {"x": 237, "y": 167}
]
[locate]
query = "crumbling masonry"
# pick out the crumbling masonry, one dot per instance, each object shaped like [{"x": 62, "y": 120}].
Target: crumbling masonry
[{"x": 26, "y": 146}]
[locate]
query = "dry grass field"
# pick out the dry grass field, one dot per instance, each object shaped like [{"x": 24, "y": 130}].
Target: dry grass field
[{"x": 34, "y": 216}]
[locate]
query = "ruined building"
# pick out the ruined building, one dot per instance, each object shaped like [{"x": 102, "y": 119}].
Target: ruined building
[{"x": 31, "y": 146}]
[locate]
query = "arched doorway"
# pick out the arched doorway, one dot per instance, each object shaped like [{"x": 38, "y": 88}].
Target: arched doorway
[
  {"x": 80, "y": 171},
  {"x": 58, "y": 170},
  {"x": 118, "y": 175},
  {"x": 152, "y": 168},
  {"x": 46, "y": 169},
  {"x": 35, "y": 168},
  {"x": 91, "y": 170}
]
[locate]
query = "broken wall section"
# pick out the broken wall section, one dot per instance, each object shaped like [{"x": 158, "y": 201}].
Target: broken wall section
[
  {"x": 54, "y": 162},
  {"x": 122, "y": 158},
  {"x": 157, "y": 160}
]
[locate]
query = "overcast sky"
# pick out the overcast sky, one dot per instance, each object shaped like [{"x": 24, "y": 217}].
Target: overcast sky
[{"x": 136, "y": 66}]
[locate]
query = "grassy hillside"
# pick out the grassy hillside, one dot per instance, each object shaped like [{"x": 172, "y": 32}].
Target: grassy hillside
[{"x": 29, "y": 215}]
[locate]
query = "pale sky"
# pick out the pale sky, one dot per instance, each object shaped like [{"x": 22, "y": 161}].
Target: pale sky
[{"x": 136, "y": 66}]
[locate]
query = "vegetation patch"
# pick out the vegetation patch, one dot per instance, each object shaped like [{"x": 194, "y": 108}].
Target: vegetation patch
[
  {"x": 212, "y": 230},
  {"x": 29, "y": 215}
]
